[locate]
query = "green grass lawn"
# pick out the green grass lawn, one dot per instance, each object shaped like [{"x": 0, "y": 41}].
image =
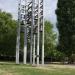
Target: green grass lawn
[{"x": 12, "y": 69}]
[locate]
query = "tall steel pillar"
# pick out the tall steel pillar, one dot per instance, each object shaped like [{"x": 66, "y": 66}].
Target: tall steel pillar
[
  {"x": 18, "y": 34},
  {"x": 38, "y": 33},
  {"x": 34, "y": 49},
  {"x": 25, "y": 36},
  {"x": 42, "y": 32},
  {"x": 32, "y": 25}
]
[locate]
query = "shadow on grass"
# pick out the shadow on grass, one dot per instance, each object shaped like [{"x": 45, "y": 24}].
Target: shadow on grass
[{"x": 13, "y": 63}]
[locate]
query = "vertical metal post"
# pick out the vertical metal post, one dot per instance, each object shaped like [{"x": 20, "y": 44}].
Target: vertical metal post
[
  {"x": 34, "y": 51},
  {"x": 43, "y": 39},
  {"x": 38, "y": 34},
  {"x": 34, "y": 36},
  {"x": 33, "y": 1},
  {"x": 18, "y": 44},
  {"x": 25, "y": 45},
  {"x": 25, "y": 37},
  {"x": 18, "y": 35}
]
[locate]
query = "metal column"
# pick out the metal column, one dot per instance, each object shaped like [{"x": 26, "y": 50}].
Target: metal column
[
  {"x": 18, "y": 34},
  {"x": 25, "y": 37},
  {"x": 38, "y": 34},
  {"x": 43, "y": 35},
  {"x": 32, "y": 25},
  {"x": 34, "y": 50}
]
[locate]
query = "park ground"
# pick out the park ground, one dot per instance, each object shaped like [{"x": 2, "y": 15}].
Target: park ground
[{"x": 52, "y": 69}]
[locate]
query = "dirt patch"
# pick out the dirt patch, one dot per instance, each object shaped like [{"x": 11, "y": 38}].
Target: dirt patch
[{"x": 60, "y": 66}]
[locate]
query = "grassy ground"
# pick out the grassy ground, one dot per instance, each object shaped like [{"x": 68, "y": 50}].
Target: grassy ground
[{"x": 12, "y": 69}]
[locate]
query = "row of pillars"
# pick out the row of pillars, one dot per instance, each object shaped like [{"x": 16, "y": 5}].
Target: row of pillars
[{"x": 34, "y": 38}]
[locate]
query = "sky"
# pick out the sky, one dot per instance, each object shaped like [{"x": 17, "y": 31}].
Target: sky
[{"x": 49, "y": 9}]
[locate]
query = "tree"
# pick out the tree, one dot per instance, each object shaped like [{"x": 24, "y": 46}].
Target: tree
[
  {"x": 66, "y": 26},
  {"x": 50, "y": 39},
  {"x": 7, "y": 34}
]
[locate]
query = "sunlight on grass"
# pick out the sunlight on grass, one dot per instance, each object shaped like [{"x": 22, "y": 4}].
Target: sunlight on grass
[{"x": 13, "y": 69}]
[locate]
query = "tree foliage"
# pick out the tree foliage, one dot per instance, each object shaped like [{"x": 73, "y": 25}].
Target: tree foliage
[
  {"x": 50, "y": 39},
  {"x": 66, "y": 26},
  {"x": 7, "y": 34}
]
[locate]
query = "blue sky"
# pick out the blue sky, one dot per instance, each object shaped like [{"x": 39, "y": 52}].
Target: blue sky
[{"x": 49, "y": 8}]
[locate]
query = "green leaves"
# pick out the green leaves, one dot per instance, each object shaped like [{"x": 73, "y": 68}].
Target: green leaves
[
  {"x": 50, "y": 38},
  {"x": 7, "y": 34},
  {"x": 66, "y": 25}
]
